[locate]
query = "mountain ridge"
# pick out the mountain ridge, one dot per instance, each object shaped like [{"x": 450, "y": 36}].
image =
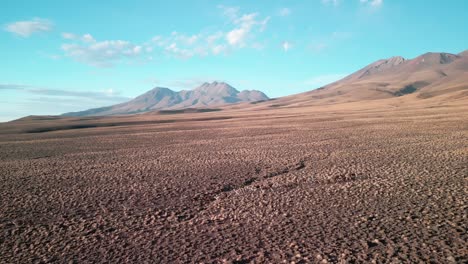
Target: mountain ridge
[
  {"x": 425, "y": 76},
  {"x": 162, "y": 98}
]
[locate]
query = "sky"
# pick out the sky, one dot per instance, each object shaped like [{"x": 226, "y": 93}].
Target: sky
[{"x": 62, "y": 56}]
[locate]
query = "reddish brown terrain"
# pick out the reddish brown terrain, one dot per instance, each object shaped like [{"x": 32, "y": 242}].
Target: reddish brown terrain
[{"x": 290, "y": 180}]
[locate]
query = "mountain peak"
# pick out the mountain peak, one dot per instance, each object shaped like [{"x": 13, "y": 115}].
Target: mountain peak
[
  {"x": 215, "y": 83},
  {"x": 429, "y": 75},
  {"x": 160, "y": 89},
  {"x": 156, "y": 92},
  {"x": 435, "y": 58},
  {"x": 389, "y": 63},
  {"x": 396, "y": 60},
  {"x": 217, "y": 88},
  {"x": 161, "y": 98},
  {"x": 381, "y": 66}
]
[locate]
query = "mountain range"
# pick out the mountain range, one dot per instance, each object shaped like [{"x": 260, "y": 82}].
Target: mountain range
[
  {"x": 432, "y": 74},
  {"x": 441, "y": 75},
  {"x": 207, "y": 95}
]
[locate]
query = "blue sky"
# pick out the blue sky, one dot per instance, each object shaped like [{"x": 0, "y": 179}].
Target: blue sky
[{"x": 60, "y": 56}]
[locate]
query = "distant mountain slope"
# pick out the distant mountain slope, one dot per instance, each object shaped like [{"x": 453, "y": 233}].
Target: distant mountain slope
[
  {"x": 206, "y": 95},
  {"x": 463, "y": 53},
  {"x": 426, "y": 76}
]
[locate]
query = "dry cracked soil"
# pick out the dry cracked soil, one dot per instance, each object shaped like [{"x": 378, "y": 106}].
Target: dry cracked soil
[{"x": 268, "y": 186}]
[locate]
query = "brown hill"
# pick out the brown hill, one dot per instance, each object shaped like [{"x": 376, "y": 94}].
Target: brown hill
[
  {"x": 430, "y": 75},
  {"x": 159, "y": 98},
  {"x": 463, "y": 53}
]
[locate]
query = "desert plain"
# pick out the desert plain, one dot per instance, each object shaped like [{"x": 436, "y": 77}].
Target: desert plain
[{"x": 377, "y": 182}]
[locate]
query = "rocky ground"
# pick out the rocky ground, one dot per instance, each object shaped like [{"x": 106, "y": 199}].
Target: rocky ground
[{"x": 283, "y": 186}]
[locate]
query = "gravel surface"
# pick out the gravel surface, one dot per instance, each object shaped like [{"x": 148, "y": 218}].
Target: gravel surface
[{"x": 293, "y": 186}]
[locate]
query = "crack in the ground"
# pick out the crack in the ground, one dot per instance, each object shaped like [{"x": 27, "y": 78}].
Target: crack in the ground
[
  {"x": 263, "y": 176},
  {"x": 260, "y": 175}
]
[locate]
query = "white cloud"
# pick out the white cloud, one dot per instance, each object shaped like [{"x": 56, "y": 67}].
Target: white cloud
[
  {"x": 186, "y": 46},
  {"x": 55, "y": 101},
  {"x": 214, "y": 37},
  {"x": 286, "y": 46},
  {"x": 39, "y": 100},
  {"x": 201, "y": 51},
  {"x": 88, "y": 38},
  {"x": 242, "y": 34},
  {"x": 236, "y": 37},
  {"x": 264, "y": 23},
  {"x": 180, "y": 38},
  {"x": 187, "y": 40},
  {"x": 27, "y": 28},
  {"x": 107, "y": 94},
  {"x": 156, "y": 39},
  {"x": 85, "y": 38},
  {"x": 374, "y": 3},
  {"x": 192, "y": 39},
  {"x": 67, "y": 35},
  {"x": 179, "y": 52},
  {"x": 137, "y": 49},
  {"x": 218, "y": 49},
  {"x": 247, "y": 20},
  {"x": 245, "y": 26},
  {"x": 284, "y": 12},
  {"x": 104, "y": 53},
  {"x": 243, "y": 29}
]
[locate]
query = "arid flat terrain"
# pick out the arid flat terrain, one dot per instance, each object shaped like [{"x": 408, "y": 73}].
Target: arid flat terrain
[{"x": 353, "y": 183}]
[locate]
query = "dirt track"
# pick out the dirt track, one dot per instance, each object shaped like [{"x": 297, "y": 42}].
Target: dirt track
[{"x": 285, "y": 185}]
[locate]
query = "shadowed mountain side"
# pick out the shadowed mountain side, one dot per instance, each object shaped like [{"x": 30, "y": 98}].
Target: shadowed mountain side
[
  {"x": 205, "y": 96},
  {"x": 426, "y": 76}
]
